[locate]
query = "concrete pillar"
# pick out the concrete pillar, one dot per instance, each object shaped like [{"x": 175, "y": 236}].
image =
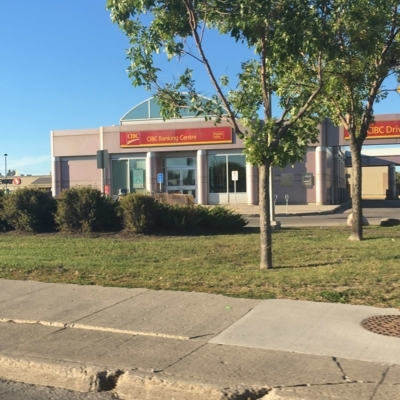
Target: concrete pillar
[
  {"x": 102, "y": 172},
  {"x": 343, "y": 173},
  {"x": 55, "y": 176},
  {"x": 320, "y": 171},
  {"x": 252, "y": 184},
  {"x": 336, "y": 177},
  {"x": 202, "y": 177},
  {"x": 151, "y": 172},
  {"x": 392, "y": 181}
]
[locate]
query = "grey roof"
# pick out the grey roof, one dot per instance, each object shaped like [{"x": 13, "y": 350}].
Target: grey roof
[{"x": 43, "y": 180}]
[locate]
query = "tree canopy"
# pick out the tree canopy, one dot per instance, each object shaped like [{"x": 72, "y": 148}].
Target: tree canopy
[
  {"x": 365, "y": 42},
  {"x": 290, "y": 41}
]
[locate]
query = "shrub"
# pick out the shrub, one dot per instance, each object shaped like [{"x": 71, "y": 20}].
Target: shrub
[
  {"x": 178, "y": 218},
  {"x": 4, "y": 226},
  {"x": 30, "y": 210},
  {"x": 201, "y": 219},
  {"x": 140, "y": 213},
  {"x": 85, "y": 209},
  {"x": 223, "y": 219}
]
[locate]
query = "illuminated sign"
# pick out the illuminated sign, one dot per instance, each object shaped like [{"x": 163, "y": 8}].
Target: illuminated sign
[
  {"x": 176, "y": 137},
  {"x": 381, "y": 130}
]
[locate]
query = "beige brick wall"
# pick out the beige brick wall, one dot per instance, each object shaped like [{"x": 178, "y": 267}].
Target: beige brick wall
[{"x": 374, "y": 182}]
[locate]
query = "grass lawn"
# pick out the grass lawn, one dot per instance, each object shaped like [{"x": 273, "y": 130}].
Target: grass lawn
[{"x": 318, "y": 264}]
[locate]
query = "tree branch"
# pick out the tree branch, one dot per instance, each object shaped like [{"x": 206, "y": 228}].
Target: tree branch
[{"x": 193, "y": 25}]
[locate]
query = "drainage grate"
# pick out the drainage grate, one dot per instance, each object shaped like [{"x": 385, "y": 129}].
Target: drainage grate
[{"x": 388, "y": 325}]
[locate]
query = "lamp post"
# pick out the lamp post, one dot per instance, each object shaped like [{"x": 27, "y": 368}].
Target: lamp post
[{"x": 5, "y": 163}]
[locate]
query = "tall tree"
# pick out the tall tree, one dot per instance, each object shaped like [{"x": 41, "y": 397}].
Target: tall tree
[
  {"x": 288, "y": 39},
  {"x": 366, "y": 38}
]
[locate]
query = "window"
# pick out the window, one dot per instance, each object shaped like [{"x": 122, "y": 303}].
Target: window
[
  {"x": 128, "y": 174},
  {"x": 220, "y": 169},
  {"x": 217, "y": 174},
  {"x": 237, "y": 163}
]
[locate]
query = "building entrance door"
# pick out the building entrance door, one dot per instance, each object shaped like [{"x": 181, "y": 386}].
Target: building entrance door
[{"x": 181, "y": 180}]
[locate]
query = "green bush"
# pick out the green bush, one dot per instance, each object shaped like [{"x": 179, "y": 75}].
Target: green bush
[
  {"x": 177, "y": 218},
  {"x": 140, "y": 213},
  {"x": 29, "y": 210},
  {"x": 200, "y": 219},
  {"x": 4, "y": 226},
  {"x": 223, "y": 219},
  {"x": 143, "y": 214},
  {"x": 85, "y": 209}
]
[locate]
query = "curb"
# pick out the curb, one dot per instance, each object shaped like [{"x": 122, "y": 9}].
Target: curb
[
  {"x": 127, "y": 385},
  {"x": 46, "y": 372},
  {"x": 134, "y": 385},
  {"x": 343, "y": 206}
]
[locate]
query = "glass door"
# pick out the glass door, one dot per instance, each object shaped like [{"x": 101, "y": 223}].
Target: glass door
[
  {"x": 188, "y": 176},
  {"x": 181, "y": 180},
  {"x": 174, "y": 181}
]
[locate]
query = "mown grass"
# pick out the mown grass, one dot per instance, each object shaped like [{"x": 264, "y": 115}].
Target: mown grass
[{"x": 318, "y": 264}]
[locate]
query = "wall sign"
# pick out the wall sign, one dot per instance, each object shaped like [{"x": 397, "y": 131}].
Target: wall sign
[
  {"x": 307, "y": 180},
  {"x": 138, "y": 179},
  {"x": 176, "y": 137},
  {"x": 381, "y": 130}
]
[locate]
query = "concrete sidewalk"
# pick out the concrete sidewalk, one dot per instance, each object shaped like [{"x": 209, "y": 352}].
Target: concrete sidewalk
[
  {"x": 292, "y": 209},
  {"x": 145, "y": 344}
]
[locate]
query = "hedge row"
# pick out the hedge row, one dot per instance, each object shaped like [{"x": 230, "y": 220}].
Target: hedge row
[{"x": 85, "y": 209}]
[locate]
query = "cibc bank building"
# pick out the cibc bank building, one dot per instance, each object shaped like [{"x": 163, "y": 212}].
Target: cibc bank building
[{"x": 189, "y": 155}]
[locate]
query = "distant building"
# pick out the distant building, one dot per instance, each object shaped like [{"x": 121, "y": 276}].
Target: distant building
[{"x": 32, "y": 181}]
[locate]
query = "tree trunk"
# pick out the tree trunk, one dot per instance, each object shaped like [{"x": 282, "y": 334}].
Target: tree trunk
[
  {"x": 265, "y": 218},
  {"x": 356, "y": 190}
]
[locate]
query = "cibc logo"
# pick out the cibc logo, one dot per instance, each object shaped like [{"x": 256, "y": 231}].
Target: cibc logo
[
  {"x": 376, "y": 129},
  {"x": 132, "y": 137}
]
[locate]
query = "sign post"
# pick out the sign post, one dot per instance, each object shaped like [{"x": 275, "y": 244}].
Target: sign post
[
  {"x": 287, "y": 201},
  {"x": 160, "y": 179},
  {"x": 102, "y": 163},
  {"x": 235, "y": 177}
]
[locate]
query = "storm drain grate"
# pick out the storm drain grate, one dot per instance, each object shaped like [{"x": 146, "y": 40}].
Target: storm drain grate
[{"x": 388, "y": 325}]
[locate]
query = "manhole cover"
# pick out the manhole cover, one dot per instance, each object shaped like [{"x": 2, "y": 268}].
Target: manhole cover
[{"x": 388, "y": 325}]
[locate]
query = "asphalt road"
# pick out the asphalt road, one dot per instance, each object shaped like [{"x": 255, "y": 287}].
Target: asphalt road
[{"x": 373, "y": 210}]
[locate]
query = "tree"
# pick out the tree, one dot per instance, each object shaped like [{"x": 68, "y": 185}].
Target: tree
[
  {"x": 367, "y": 51},
  {"x": 288, "y": 39}
]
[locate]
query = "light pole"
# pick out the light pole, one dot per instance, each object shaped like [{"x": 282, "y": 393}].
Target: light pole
[{"x": 5, "y": 163}]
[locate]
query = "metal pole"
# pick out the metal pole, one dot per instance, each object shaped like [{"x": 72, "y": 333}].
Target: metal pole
[
  {"x": 271, "y": 195},
  {"x": 5, "y": 163},
  {"x": 103, "y": 178},
  {"x": 271, "y": 173},
  {"x": 234, "y": 182}
]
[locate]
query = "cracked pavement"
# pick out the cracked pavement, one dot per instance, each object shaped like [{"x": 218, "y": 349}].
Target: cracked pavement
[{"x": 143, "y": 344}]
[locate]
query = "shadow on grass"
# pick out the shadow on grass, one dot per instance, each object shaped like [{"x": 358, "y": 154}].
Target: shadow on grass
[
  {"x": 306, "y": 265},
  {"x": 374, "y": 238}
]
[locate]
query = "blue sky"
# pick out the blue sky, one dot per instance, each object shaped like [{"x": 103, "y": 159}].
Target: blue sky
[{"x": 63, "y": 66}]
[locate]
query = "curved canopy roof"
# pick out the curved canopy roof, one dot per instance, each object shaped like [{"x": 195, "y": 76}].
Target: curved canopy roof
[{"x": 149, "y": 109}]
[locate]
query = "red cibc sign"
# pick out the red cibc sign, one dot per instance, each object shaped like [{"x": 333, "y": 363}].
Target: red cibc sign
[
  {"x": 381, "y": 130},
  {"x": 176, "y": 137}
]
